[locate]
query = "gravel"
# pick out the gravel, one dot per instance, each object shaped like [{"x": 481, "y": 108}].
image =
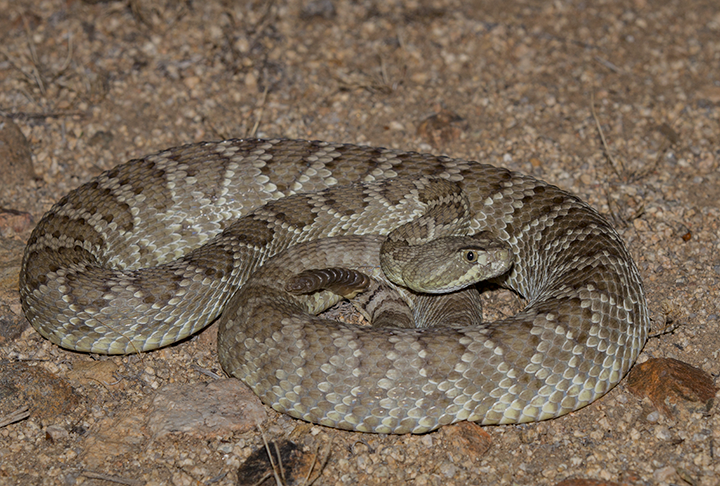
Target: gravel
[{"x": 617, "y": 101}]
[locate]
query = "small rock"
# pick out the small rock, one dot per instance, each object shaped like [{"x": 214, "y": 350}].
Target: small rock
[
  {"x": 442, "y": 128},
  {"x": 14, "y": 222},
  {"x": 101, "y": 139},
  {"x": 665, "y": 474},
  {"x": 54, "y": 433},
  {"x": 205, "y": 409},
  {"x": 669, "y": 383},
  {"x": 468, "y": 438},
  {"x": 448, "y": 470}
]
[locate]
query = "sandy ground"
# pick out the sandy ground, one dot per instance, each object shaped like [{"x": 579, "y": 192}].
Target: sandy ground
[{"x": 529, "y": 85}]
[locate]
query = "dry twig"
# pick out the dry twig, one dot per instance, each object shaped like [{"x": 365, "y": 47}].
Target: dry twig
[
  {"x": 611, "y": 159},
  {"x": 20, "y": 414}
]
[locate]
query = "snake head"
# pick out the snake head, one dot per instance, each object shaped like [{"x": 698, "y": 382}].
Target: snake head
[{"x": 454, "y": 262}]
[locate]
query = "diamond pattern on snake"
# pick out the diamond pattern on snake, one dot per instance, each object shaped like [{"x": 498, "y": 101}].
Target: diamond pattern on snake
[{"x": 156, "y": 249}]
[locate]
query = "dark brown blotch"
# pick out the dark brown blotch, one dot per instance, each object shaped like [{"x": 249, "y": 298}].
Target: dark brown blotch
[
  {"x": 252, "y": 231},
  {"x": 346, "y": 201},
  {"x": 294, "y": 211},
  {"x": 75, "y": 229}
]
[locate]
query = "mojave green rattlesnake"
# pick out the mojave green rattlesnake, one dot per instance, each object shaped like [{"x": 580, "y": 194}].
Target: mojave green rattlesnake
[{"x": 150, "y": 252}]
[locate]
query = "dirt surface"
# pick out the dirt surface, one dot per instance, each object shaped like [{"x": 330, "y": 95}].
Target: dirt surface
[{"x": 616, "y": 101}]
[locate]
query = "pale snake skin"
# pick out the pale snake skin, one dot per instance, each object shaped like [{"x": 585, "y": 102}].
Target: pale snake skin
[{"x": 150, "y": 252}]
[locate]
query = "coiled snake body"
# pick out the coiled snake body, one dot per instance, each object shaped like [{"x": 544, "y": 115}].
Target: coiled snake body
[{"x": 151, "y": 251}]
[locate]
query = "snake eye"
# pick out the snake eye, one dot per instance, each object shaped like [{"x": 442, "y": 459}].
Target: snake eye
[{"x": 470, "y": 256}]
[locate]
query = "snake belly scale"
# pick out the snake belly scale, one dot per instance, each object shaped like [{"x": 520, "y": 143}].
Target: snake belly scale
[{"x": 150, "y": 252}]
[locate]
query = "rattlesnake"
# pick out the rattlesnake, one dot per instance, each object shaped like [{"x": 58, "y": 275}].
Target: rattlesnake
[{"x": 150, "y": 252}]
